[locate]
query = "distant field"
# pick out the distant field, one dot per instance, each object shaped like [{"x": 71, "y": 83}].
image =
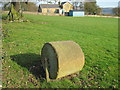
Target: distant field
[{"x": 22, "y": 43}]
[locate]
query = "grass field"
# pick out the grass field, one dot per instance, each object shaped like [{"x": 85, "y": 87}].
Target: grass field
[{"x": 22, "y": 43}]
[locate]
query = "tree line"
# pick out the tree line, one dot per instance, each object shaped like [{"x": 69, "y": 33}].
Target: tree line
[
  {"x": 88, "y": 7},
  {"x": 16, "y": 8}
]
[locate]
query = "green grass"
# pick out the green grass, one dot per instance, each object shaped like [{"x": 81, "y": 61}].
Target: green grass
[{"x": 22, "y": 43}]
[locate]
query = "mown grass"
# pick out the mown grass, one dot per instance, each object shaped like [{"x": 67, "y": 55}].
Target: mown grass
[{"x": 22, "y": 43}]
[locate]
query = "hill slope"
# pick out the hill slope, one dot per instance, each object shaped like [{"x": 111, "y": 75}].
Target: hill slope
[{"x": 22, "y": 43}]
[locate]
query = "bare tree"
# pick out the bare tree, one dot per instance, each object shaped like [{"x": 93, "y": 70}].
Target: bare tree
[{"x": 81, "y": 5}]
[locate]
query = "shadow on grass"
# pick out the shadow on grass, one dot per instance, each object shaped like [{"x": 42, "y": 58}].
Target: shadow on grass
[
  {"x": 4, "y": 17},
  {"x": 32, "y": 62}
]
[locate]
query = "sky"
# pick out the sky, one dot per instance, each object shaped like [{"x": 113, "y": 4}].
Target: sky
[{"x": 107, "y": 3}]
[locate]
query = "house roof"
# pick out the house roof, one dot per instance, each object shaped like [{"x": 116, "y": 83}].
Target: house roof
[
  {"x": 77, "y": 8},
  {"x": 65, "y": 2},
  {"x": 49, "y": 6}
]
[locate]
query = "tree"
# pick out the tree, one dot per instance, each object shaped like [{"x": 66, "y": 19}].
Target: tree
[
  {"x": 116, "y": 11},
  {"x": 55, "y": 1},
  {"x": 78, "y": 4},
  {"x": 15, "y": 10},
  {"x": 75, "y": 4},
  {"x": 81, "y": 6},
  {"x": 29, "y": 7},
  {"x": 6, "y": 6},
  {"x": 91, "y": 8}
]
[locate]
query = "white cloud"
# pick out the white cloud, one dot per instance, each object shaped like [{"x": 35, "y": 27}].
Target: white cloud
[{"x": 107, "y": 0}]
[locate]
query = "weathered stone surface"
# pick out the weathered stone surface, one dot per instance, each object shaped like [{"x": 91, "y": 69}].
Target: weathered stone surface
[{"x": 61, "y": 58}]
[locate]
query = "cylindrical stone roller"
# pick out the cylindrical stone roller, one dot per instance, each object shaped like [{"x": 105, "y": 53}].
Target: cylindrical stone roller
[{"x": 61, "y": 58}]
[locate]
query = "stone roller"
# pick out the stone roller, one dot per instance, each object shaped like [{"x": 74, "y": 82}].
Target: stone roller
[{"x": 61, "y": 58}]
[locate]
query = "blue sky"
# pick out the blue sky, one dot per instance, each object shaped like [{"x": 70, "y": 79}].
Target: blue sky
[{"x": 107, "y": 3}]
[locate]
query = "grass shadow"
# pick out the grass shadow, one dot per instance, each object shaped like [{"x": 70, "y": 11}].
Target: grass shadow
[
  {"x": 32, "y": 62},
  {"x": 4, "y": 16}
]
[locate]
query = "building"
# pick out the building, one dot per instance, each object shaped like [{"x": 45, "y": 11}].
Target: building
[
  {"x": 48, "y": 8},
  {"x": 70, "y": 10},
  {"x": 66, "y": 6},
  {"x": 76, "y": 13}
]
